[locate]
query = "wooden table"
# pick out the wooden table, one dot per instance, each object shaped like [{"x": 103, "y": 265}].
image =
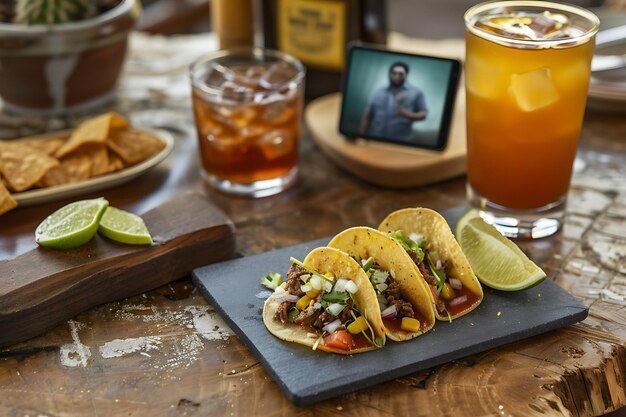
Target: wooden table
[{"x": 167, "y": 353}]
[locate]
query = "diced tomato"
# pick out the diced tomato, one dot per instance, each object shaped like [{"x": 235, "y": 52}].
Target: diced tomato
[{"x": 339, "y": 340}]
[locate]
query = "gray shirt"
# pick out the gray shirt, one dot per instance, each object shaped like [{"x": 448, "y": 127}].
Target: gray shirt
[{"x": 385, "y": 120}]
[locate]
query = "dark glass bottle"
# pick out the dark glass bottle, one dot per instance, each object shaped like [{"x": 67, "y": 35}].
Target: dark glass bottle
[{"x": 317, "y": 31}]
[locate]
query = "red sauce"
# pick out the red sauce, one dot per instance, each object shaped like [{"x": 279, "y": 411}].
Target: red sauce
[
  {"x": 395, "y": 324},
  {"x": 360, "y": 341},
  {"x": 459, "y": 308}
]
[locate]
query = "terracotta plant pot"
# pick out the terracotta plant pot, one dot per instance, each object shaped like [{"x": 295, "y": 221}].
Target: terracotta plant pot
[{"x": 64, "y": 68}]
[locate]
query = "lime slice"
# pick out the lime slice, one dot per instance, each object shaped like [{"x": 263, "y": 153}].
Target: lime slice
[
  {"x": 72, "y": 225},
  {"x": 496, "y": 261},
  {"x": 124, "y": 227}
]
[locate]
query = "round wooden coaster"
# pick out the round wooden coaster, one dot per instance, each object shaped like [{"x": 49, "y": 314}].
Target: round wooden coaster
[{"x": 387, "y": 164}]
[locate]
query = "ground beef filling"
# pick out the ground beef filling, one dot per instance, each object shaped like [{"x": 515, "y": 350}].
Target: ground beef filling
[
  {"x": 294, "y": 283},
  {"x": 311, "y": 317},
  {"x": 293, "y": 286},
  {"x": 428, "y": 277},
  {"x": 394, "y": 298}
]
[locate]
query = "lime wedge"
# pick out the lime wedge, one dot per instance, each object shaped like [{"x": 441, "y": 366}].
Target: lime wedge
[
  {"x": 72, "y": 225},
  {"x": 497, "y": 262},
  {"x": 124, "y": 227}
]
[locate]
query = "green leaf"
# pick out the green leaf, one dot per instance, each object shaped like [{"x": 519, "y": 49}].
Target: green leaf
[
  {"x": 336, "y": 297},
  {"x": 438, "y": 274},
  {"x": 408, "y": 244},
  {"x": 272, "y": 280}
]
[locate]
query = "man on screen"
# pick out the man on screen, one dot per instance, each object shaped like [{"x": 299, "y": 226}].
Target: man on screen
[{"x": 393, "y": 109}]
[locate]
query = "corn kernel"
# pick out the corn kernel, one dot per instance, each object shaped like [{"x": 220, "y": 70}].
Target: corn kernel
[
  {"x": 447, "y": 292},
  {"x": 303, "y": 302},
  {"x": 313, "y": 293},
  {"x": 358, "y": 326},
  {"x": 409, "y": 324},
  {"x": 329, "y": 275}
]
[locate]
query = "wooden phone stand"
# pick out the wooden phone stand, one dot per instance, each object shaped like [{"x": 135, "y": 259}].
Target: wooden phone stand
[{"x": 385, "y": 164}]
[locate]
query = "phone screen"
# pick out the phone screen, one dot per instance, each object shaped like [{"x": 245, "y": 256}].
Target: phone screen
[{"x": 398, "y": 97}]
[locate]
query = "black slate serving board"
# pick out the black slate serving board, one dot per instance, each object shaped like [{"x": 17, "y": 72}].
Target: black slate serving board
[{"x": 308, "y": 376}]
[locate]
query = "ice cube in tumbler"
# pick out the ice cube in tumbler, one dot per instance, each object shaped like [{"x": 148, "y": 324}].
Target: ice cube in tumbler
[
  {"x": 277, "y": 75},
  {"x": 489, "y": 80},
  {"x": 276, "y": 143},
  {"x": 533, "y": 90}
]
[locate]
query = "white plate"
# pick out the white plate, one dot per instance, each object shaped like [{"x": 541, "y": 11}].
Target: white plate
[{"x": 101, "y": 182}]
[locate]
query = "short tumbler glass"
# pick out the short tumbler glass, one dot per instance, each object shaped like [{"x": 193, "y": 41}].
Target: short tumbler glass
[
  {"x": 527, "y": 72},
  {"x": 247, "y": 104}
]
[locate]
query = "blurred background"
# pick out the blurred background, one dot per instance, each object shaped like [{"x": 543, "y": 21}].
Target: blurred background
[{"x": 434, "y": 19}]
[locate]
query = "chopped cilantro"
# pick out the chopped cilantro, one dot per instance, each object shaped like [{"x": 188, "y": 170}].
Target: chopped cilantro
[{"x": 272, "y": 280}]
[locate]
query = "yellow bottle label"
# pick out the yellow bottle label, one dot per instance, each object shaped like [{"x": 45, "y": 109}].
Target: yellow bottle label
[{"x": 313, "y": 31}]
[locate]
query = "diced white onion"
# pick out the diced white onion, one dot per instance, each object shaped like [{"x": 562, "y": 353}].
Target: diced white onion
[
  {"x": 455, "y": 283},
  {"x": 286, "y": 297},
  {"x": 458, "y": 300},
  {"x": 416, "y": 237},
  {"x": 340, "y": 285},
  {"x": 317, "y": 306},
  {"x": 335, "y": 308},
  {"x": 381, "y": 287},
  {"x": 279, "y": 290},
  {"x": 351, "y": 287},
  {"x": 304, "y": 277},
  {"x": 317, "y": 342},
  {"x": 379, "y": 276},
  {"x": 332, "y": 326},
  {"x": 382, "y": 301},
  {"x": 316, "y": 282},
  {"x": 389, "y": 313},
  {"x": 365, "y": 261},
  {"x": 438, "y": 265},
  {"x": 327, "y": 286},
  {"x": 306, "y": 288}
]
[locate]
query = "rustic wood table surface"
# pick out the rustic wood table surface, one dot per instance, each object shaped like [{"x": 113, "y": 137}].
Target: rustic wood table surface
[{"x": 167, "y": 352}]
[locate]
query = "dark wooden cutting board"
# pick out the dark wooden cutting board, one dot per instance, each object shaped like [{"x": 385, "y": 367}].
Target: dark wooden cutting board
[{"x": 45, "y": 287}]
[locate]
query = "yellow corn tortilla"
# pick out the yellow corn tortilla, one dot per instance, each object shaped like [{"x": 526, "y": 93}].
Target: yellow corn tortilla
[
  {"x": 439, "y": 238},
  {"x": 365, "y": 242},
  {"x": 331, "y": 260}
]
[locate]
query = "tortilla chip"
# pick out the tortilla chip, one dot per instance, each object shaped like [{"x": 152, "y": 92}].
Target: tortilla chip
[
  {"x": 47, "y": 145},
  {"x": 73, "y": 168},
  {"x": 115, "y": 162},
  {"x": 94, "y": 130},
  {"x": 134, "y": 146},
  {"x": 23, "y": 166},
  {"x": 6, "y": 201},
  {"x": 118, "y": 122},
  {"x": 99, "y": 158}
]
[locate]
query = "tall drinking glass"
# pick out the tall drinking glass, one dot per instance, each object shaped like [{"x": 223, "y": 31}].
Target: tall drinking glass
[
  {"x": 247, "y": 105},
  {"x": 526, "y": 77}
]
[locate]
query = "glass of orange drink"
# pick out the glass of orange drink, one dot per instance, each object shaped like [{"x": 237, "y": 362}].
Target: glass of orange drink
[{"x": 527, "y": 72}]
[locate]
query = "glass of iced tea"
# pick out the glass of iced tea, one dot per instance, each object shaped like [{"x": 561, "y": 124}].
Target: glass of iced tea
[
  {"x": 247, "y": 105},
  {"x": 527, "y": 72}
]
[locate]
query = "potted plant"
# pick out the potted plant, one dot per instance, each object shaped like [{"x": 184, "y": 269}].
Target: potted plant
[{"x": 62, "y": 56}]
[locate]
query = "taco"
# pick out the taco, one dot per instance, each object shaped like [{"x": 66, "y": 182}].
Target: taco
[
  {"x": 326, "y": 303},
  {"x": 427, "y": 238},
  {"x": 401, "y": 294}
]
